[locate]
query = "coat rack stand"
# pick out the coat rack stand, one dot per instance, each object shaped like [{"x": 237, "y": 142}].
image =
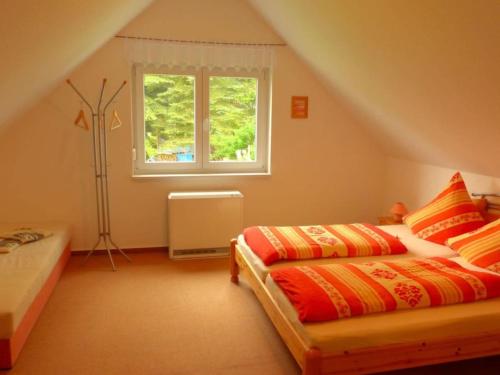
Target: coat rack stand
[{"x": 100, "y": 154}]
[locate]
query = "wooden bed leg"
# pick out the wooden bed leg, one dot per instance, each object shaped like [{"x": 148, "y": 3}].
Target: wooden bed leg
[
  {"x": 312, "y": 362},
  {"x": 235, "y": 270}
]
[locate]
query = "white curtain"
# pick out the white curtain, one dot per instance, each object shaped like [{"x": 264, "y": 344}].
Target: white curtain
[{"x": 199, "y": 55}]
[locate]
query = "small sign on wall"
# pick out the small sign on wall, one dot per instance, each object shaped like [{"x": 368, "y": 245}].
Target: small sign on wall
[{"x": 300, "y": 106}]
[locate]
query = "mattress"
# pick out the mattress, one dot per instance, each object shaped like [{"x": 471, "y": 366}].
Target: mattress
[
  {"x": 397, "y": 327},
  {"x": 24, "y": 271},
  {"x": 416, "y": 248}
]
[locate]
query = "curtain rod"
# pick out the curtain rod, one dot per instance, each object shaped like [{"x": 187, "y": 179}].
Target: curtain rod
[{"x": 201, "y": 41}]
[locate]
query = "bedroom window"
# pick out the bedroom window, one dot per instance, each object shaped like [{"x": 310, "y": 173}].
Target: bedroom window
[{"x": 200, "y": 121}]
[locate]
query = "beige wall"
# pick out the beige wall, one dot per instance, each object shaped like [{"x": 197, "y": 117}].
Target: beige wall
[
  {"x": 418, "y": 183},
  {"x": 324, "y": 169},
  {"x": 426, "y": 72},
  {"x": 41, "y": 41}
]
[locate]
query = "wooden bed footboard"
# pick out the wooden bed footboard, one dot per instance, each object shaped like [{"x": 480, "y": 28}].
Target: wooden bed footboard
[
  {"x": 360, "y": 361},
  {"x": 309, "y": 359}
]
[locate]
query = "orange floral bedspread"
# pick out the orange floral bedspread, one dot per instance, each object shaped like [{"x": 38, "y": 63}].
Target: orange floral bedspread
[
  {"x": 336, "y": 291},
  {"x": 272, "y": 244}
]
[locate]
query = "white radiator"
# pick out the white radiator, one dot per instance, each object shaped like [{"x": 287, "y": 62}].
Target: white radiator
[{"x": 201, "y": 224}]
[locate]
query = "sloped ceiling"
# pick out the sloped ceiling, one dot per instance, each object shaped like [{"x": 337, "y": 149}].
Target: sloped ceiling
[
  {"x": 42, "y": 41},
  {"x": 425, "y": 73}
]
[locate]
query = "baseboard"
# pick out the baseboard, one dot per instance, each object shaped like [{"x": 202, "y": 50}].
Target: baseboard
[{"x": 133, "y": 250}]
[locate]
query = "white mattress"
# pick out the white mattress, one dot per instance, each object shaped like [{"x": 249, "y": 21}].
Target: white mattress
[
  {"x": 416, "y": 248},
  {"x": 395, "y": 327},
  {"x": 24, "y": 271}
]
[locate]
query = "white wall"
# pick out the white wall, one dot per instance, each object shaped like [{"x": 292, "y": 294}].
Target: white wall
[
  {"x": 41, "y": 41},
  {"x": 416, "y": 184},
  {"x": 325, "y": 169},
  {"x": 425, "y": 72}
]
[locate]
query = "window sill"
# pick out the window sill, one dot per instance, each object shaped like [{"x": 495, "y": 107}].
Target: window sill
[{"x": 149, "y": 176}]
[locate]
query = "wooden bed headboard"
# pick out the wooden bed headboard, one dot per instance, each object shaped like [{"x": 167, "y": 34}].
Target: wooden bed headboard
[{"x": 488, "y": 205}]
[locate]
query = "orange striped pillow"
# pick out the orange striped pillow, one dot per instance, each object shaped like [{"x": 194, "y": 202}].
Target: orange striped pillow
[
  {"x": 480, "y": 247},
  {"x": 449, "y": 214}
]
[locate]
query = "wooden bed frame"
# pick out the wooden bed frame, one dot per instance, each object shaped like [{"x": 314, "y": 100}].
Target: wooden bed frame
[
  {"x": 313, "y": 361},
  {"x": 11, "y": 347},
  {"x": 488, "y": 205}
]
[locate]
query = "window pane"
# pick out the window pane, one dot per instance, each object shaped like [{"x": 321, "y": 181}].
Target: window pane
[
  {"x": 232, "y": 111},
  {"x": 169, "y": 118}
]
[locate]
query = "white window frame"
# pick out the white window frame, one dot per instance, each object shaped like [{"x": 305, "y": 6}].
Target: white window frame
[{"x": 202, "y": 165}]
